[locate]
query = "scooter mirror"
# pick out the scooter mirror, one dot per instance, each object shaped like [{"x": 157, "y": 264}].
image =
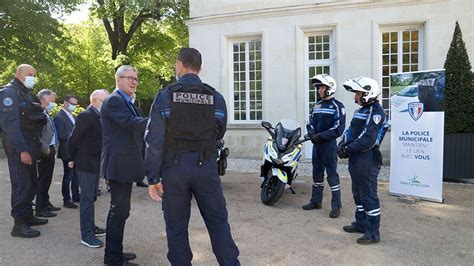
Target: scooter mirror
[{"x": 266, "y": 125}]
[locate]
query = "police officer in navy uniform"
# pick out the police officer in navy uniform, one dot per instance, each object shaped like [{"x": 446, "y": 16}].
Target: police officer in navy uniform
[
  {"x": 360, "y": 144},
  {"x": 327, "y": 123},
  {"x": 22, "y": 119},
  {"x": 186, "y": 121}
]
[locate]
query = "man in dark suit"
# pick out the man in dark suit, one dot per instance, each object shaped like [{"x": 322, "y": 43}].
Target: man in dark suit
[
  {"x": 141, "y": 113},
  {"x": 64, "y": 122},
  {"x": 49, "y": 138},
  {"x": 84, "y": 148},
  {"x": 122, "y": 162}
]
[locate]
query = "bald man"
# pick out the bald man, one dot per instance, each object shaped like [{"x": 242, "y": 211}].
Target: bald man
[
  {"x": 22, "y": 119},
  {"x": 84, "y": 148}
]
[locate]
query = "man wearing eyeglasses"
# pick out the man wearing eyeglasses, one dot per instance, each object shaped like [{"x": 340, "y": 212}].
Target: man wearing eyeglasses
[
  {"x": 122, "y": 161},
  {"x": 64, "y": 123}
]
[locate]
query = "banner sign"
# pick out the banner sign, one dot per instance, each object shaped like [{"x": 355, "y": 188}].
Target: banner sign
[{"x": 417, "y": 134}]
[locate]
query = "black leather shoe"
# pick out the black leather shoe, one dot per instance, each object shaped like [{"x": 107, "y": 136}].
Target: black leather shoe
[
  {"x": 351, "y": 229},
  {"x": 33, "y": 221},
  {"x": 312, "y": 206},
  {"x": 46, "y": 214},
  {"x": 335, "y": 213},
  {"x": 141, "y": 184},
  {"x": 51, "y": 208},
  {"x": 70, "y": 205},
  {"x": 129, "y": 256},
  {"x": 76, "y": 199},
  {"x": 126, "y": 257},
  {"x": 366, "y": 241},
  {"x": 24, "y": 231}
]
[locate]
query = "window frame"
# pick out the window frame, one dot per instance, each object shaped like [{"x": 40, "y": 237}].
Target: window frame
[
  {"x": 420, "y": 27},
  {"x": 231, "y": 116},
  {"x": 317, "y": 62}
]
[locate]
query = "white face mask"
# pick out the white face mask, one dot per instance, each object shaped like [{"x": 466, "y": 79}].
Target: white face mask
[
  {"x": 51, "y": 106},
  {"x": 29, "y": 82},
  {"x": 71, "y": 108}
]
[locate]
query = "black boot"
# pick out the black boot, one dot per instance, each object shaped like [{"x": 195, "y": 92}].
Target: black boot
[
  {"x": 335, "y": 213},
  {"x": 20, "y": 229},
  {"x": 30, "y": 220},
  {"x": 312, "y": 206}
]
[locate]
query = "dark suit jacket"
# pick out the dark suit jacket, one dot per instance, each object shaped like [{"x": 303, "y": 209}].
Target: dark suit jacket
[
  {"x": 122, "y": 139},
  {"x": 85, "y": 142},
  {"x": 64, "y": 128}
]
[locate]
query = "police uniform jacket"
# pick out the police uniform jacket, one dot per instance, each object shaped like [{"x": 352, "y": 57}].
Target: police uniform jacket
[
  {"x": 328, "y": 119},
  {"x": 122, "y": 137},
  {"x": 367, "y": 129},
  {"x": 16, "y": 102},
  {"x": 159, "y": 114}
]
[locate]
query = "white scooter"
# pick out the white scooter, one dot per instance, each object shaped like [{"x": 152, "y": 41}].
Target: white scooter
[{"x": 280, "y": 159}]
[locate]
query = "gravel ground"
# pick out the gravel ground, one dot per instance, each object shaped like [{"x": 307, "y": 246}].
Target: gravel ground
[{"x": 284, "y": 234}]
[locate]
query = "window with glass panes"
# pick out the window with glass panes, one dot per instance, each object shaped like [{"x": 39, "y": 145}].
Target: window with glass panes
[
  {"x": 247, "y": 80},
  {"x": 400, "y": 53},
  {"x": 319, "y": 60}
]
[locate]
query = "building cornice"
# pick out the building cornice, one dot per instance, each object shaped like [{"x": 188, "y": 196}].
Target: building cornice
[{"x": 301, "y": 10}]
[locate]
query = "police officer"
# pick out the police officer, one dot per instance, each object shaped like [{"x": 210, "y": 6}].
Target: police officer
[
  {"x": 186, "y": 120},
  {"x": 360, "y": 144},
  {"x": 22, "y": 120},
  {"x": 327, "y": 123}
]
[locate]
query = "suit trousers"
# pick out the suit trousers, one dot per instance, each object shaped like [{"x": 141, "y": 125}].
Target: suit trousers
[
  {"x": 70, "y": 182},
  {"x": 45, "y": 174},
  {"x": 120, "y": 193},
  {"x": 89, "y": 183}
]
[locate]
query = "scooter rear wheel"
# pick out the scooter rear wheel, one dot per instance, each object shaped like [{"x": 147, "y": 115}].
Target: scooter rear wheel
[{"x": 272, "y": 190}]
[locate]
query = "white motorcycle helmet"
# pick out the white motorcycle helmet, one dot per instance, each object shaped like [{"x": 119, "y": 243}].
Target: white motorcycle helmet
[
  {"x": 324, "y": 79},
  {"x": 368, "y": 86}
]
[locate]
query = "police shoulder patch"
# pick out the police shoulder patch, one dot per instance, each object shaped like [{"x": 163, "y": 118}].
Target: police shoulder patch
[
  {"x": 377, "y": 119},
  {"x": 7, "y": 101}
]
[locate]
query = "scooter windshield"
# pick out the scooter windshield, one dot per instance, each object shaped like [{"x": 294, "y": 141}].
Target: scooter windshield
[{"x": 287, "y": 132}]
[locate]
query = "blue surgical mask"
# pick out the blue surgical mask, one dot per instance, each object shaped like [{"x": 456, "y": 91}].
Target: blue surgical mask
[
  {"x": 51, "y": 106},
  {"x": 71, "y": 107},
  {"x": 29, "y": 82}
]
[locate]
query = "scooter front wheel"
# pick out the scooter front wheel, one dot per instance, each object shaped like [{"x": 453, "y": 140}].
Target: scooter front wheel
[{"x": 272, "y": 190}]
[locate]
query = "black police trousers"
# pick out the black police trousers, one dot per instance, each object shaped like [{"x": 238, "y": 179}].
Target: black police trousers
[
  {"x": 182, "y": 179},
  {"x": 23, "y": 178}
]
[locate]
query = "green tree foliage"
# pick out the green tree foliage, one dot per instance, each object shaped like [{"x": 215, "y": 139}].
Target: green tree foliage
[
  {"x": 78, "y": 58},
  {"x": 459, "y": 87},
  {"x": 29, "y": 35}
]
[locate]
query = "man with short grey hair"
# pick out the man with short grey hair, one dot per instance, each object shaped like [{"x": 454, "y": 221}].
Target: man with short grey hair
[
  {"x": 122, "y": 161},
  {"x": 49, "y": 138}
]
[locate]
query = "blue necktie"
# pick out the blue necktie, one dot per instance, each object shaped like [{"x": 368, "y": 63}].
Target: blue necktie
[{"x": 133, "y": 108}]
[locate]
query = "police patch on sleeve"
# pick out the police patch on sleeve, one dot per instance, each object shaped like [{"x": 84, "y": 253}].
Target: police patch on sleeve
[
  {"x": 377, "y": 119},
  {"x": 7, "y": 101},
  {"x": 193, "y": 98}
]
